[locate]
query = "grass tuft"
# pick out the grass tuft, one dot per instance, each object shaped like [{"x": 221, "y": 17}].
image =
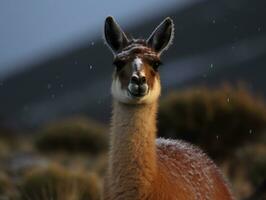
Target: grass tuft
[
  {"x": 73, "y": 135},
  {"x": 58, "y": 183},
  {"x": 219, "y": 120}
]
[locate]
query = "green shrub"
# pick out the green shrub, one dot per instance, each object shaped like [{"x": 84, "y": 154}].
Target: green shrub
[
  {"x": 58, "y": 183},
  {"x": 73, "y": 135},
  {"x": 218, "y": 119}
]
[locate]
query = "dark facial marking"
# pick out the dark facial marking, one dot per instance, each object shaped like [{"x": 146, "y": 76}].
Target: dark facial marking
[
  {"x": 123, "y": 62},
  {"x": 154, "y": 62},
  {"x": 143, "y": 52},
  {"x": 124, "y": 75},
  {"x": 119, "y": 63}
]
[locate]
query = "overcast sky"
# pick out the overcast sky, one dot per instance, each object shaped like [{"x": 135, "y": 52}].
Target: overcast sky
[{"x": 31, "y": 29}]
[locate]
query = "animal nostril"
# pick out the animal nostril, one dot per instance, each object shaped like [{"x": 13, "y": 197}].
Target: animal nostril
[
  {"x": 142, "y": 80},
  {"x": 135, "y": 79}
]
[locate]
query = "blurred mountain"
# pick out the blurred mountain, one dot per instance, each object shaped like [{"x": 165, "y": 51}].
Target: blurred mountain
[{"x": 215, "y": 41}]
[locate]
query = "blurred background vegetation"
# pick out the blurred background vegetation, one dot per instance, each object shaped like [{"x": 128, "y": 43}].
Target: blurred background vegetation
[
  {"x": 67, "y": 159},
  {"x": 55, "y": 103}
]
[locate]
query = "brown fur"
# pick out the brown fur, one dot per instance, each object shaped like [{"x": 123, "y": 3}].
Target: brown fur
[
  {"x": 140, "y": 169},
  {"x": 151, "y": 75},
  {"x": 147, "y": 56}
]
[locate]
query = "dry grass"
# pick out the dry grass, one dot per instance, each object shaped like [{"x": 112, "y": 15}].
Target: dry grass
[
  {"x": 247, "y": 168},
  {"x": 219, "y": 120},
  {"x": 58, "y": 183},
  {"x": 73, "y": 135},
  {"x": 6, "y": 186}
]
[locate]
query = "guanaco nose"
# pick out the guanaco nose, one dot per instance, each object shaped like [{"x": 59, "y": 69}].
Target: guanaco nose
[{"x": 138, "y": 80}]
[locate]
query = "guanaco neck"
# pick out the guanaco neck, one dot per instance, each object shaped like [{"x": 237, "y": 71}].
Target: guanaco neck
[{"x": 132, "y": 154}]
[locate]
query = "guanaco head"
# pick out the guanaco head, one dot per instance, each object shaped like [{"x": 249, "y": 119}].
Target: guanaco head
[{"x": 136, "y": 79}]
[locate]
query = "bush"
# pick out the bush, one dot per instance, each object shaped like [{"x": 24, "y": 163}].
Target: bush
[
  {"x": 73, "y": 135},
  {"x": 100, "y": 165},
  {"x": 219, "y": 120},
  {"x": 58, "y": 183},
  {"x": 253, "y": 158},
  {"x": 8, "y": 141},
  {"x": 247, "y": 169},
  {"x": 4, "y": 148},
  {"x": 5, "y": 185}
]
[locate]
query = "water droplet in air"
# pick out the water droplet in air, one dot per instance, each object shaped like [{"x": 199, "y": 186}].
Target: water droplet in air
[
  {"x": 49, "y": 86},
  {"x": 217, "y": 137},
  {"x": 211, "y": 65},
  {"x": 92, "y": 43},
  {"x": 250, "y": 131},
  {"x": 228, "y": 99},
  {"x": 90, "y": 66},
  {"x": 213, "y": 21}
]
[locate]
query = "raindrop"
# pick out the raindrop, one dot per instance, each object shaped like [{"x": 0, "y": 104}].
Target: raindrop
[
  {"x": 228, "y": 99},
  {"x": 214, "y": 21},
  {"x": 217, "y": 137},
  {"x": 49, "y": 86},
  {"x": 211, "y": 66},
  {"x": 250, "y": 131},
  {"x": 90, "y": 66},
  {"x": 92, "y": 43},
  {"x": 61, "y": 85}
]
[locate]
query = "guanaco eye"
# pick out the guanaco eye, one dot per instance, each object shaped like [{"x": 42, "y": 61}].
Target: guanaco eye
[
  {"x": 119, "y": 64},
  {"x": 155, "y": 64}
]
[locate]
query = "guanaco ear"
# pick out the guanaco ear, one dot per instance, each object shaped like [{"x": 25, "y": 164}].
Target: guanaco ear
[
  {"x": 114, "y": 36},
  {"x": 162, "y": 36}
]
